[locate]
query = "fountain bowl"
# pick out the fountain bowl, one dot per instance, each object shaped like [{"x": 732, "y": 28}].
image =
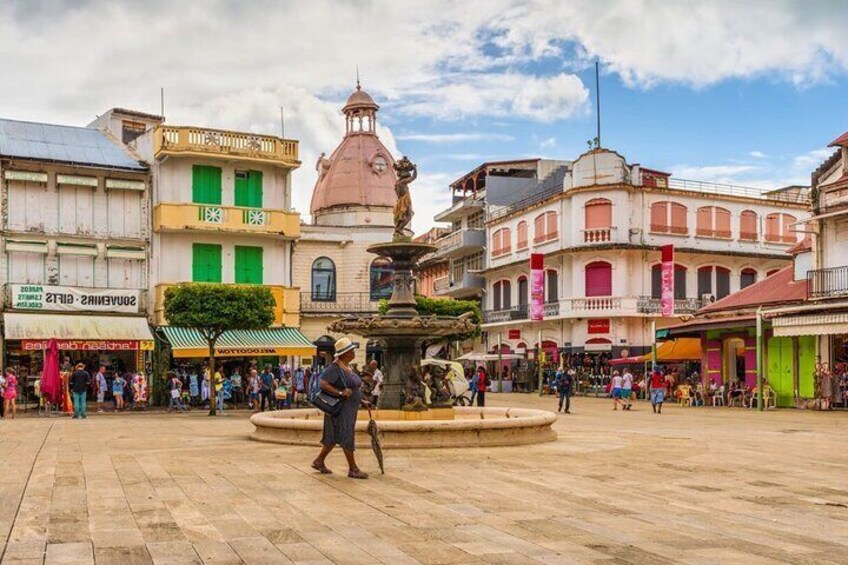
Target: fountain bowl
[{"x": 434, "y": 428}]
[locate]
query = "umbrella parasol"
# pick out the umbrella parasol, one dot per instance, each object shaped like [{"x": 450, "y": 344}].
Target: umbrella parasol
[
  {"x": 51, "y": 385},
  {"x": 375, "y": 441}
]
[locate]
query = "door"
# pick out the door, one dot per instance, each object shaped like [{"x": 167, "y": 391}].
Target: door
[
  {"x": 779, "y": 370},
  {"x": 248, "y": 189}
]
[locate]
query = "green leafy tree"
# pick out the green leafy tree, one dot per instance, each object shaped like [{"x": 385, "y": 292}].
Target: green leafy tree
[
  {"x": 446, "y": 307},
  {"x": 213, "y": 309}
]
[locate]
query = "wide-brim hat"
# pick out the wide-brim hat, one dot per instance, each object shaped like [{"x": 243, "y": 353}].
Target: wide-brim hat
[{"x": 342, "y": 346}]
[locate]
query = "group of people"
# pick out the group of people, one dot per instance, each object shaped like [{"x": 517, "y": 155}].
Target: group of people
[{"x": 129, "y": 390}]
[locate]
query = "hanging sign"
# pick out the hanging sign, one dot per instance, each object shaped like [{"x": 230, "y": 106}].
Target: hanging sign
[
  {"x": 514, "y": 334},
  {"x": 599, "y": 326},
  {"x": 667, "y": 296},
  {"x": 68, "y": 298},
  {"x": 537, "y": 286}
]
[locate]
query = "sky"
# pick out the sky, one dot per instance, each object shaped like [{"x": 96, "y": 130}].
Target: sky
[{"x": 748, "y": 93}]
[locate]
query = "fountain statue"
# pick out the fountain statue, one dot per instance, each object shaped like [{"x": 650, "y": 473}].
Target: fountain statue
[{"x": 401, "y": 330}]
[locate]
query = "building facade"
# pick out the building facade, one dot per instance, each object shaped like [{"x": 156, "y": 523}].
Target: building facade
[
  {"x": 75, "y": 247},
  {"x": 600, "y": 230}
]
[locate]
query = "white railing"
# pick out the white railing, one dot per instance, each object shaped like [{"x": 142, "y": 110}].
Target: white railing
[{"x": 597, "y": 235}]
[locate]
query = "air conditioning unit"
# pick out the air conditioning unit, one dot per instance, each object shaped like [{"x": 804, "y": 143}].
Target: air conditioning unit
[{"x": 707, "y": 299}]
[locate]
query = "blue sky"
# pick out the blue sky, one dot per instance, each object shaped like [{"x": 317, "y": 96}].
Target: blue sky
[{"x": 745, "y": 92}]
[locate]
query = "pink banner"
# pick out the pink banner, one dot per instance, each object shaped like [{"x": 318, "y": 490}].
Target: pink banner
[
  {"x": 537, "y": 287},
  {"x": 667, "y": 299}
]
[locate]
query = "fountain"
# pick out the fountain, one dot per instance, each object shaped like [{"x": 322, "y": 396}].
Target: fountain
[{"x": 404, "y": 419}]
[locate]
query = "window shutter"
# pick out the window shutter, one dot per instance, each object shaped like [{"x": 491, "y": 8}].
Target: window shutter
[
  {"x": 241, "y": 193},
  {"x": 551, "y": 225},
  {"x": 722, "y": 222},
  {"x": 599, "y": 279},
  {"x": 255, "y": 183},
  {"x": 206, "y": 262},
  {"x": 748, "y": 225},
  {"x": 599, "y": 214},
  {"x": 656, "y": 281},
  {"x": 205, "y": 184},
  {"x": 679, "y": 282},
  {"x": 678, "y": 218},
  {"x": 659, "y": 217},
  {"x": 705, "y": 220},
  {"x": 249, "y": 265}
]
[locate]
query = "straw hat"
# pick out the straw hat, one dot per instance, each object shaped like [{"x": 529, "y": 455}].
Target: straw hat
[{"x": 343, "y": 345}]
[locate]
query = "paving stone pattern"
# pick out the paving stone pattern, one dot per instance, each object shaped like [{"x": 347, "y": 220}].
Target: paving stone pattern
[{"x": 694, "y": 485}]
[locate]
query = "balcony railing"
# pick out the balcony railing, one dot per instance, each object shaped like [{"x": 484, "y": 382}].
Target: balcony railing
[
  {"x": 648, "y": 305},
  {"x": 515, "y": 313},
  {"x": 598, "y": 235},
  {"x": 467, "y": 239},
  {"x": 233, "y": 145},
  {"x": 827, "y": 283},
  {"x": 551, "y": 309},
  {"x": 340, "y": 303},
  {"x": 734, "y": 190},
  {"x": 181, "y": 216},
  {"x": 467, "y": 284},
  {"x": 606, "y": 303}
]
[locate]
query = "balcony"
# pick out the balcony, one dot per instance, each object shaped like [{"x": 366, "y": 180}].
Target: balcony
[
  {"x": 342, "y": 303},
  {"x": 211, "y": 217},
  {"x": 460, "y": 209},
  {"x": 469, "y": 286},
  {"x": 230, "y": 145},
  {"x": 653, "y": 306},
  {"x": 461, "y": 242},
  {"x": 827, "y": 283},
  {"x": 515, "y": 313},
  {"x": 598, "y": 235},
  {"x": 286, "y": 311}
]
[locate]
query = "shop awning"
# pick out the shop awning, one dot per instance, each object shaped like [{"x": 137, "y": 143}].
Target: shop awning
[
  {"x": 674, "y": 351},
  {"x": 811, "y": 324},
  {"x": 75, "y": 327},
  {"x": 188, "y": 342}
]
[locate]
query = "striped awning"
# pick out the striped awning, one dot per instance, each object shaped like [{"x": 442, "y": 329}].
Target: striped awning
[
  {"x": 811, "y": 324},
  {"x": 188, "y": 342}
]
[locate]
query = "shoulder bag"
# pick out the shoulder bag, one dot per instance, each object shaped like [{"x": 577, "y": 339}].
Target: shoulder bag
[{"x": 328, "y": 403}]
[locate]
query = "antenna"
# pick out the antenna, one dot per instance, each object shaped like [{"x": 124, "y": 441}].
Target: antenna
[
  {"x": 282, "y": 122},
  {"x": 357, "y": 78},
  {"x": 598, "y": 103},
  {"x": 162, "y": 101}
]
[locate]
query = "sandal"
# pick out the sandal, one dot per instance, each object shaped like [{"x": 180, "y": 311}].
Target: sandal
[
  {"x": 322, "y": 469},
  {"x": 357, "y": 474}
]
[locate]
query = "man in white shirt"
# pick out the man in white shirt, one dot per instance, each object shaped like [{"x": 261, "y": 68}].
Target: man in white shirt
[
  {"x": 627, "y": 388},
  {"x": 378, "y": 382},
  {"x": 100, "y": 380}
]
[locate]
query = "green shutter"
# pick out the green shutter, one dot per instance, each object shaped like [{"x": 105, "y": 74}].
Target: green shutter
[
  {"x": 206, "y": 263},
  {"x": 248, "y": 265},
  {"x": 242, "y": 189},
  {"x": 248, "y": 190},
  {"x": 205, "y": 184}
]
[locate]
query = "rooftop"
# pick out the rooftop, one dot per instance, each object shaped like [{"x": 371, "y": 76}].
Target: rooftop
[{"x": 780, "y": 288}]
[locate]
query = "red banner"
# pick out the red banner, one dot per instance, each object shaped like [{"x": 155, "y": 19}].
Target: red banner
[
  {"x": 667, "y": 299},
  {"x": 537, "y": 286},
  {"x": 514, "y": 334},
  {"x": 599, "y": 326}
]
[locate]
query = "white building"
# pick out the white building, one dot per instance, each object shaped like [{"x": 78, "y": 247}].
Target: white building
[
  {"x": 75, "y": 246},
  {"x": 600, "y": 231}
]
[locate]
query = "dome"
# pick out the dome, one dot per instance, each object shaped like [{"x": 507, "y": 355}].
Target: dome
[{"x": 360, "y": 100}]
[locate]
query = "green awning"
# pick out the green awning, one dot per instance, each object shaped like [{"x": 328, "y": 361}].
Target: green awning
[
  {"x": 188, "y": 342},
  {"x": 662, "y": 334}
]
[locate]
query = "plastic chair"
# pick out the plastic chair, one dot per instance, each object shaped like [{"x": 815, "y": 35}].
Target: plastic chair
[
  {"x": 685, "y": 395},
  {"x": 718, "y": 396},
  {"x": 769, "y": 397}
]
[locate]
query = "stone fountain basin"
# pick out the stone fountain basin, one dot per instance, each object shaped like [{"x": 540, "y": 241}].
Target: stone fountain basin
[{"x": 436, "y": 428}]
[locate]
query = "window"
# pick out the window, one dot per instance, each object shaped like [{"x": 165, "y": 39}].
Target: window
[
  {"x": 76, "y": 270},
  {"x": 705, "y": 281},
  {"x": 747, "y": 277},
  {"x": 206, "y": 262},
  {"x": 205, "y": 184},
  {"x": 248, "y": 265},
  {"x": 552, "y": 286},
  {"x": 679, "y": 282},
  {"x": 779, "y": 228},
  {"x": 598, "y": 214},
  {"x": 501, "y": 242},
  {"x": 522, "y": 235},
  {"x": 125, "y": 273},
  {"x": 26, "y": 267},
  {"x": 668, "y": 217},
  {"x": 772, "y": 272},
  {"x": 323, "y": 280},
  {"x": 248, "y": 189},
  {"x": 748, "y": 225},
  {"x": 502, "y": 295},
  {"x": 545, "y": 227},
  {"x": 381, "y": 278},
  {"x": 130, "y": 131},
  {"x": 599, "y": 279},
  {"x": 722, "y": 282},
  {"x": 124, "y": 217},
  {"x": 76, "y": 208},
  {"x": 523, "y": 291},
  {"x": 476, "y": 221},
  {"x": 713, "y": 221}
]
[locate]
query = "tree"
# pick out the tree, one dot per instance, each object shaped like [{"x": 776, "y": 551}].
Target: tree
[
  {"x": 446, "y": 307},
  {"x": 213, "y": 309}
]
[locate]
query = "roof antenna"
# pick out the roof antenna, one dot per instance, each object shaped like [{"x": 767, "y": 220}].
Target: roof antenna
[
  {"x": 598, "y": 104},
  {"x": 162, "y": 102},
  {"x": 358, "y": 87},
  {"x": 282, "y": 122}
]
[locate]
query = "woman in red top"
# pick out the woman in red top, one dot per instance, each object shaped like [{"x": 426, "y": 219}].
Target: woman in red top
[
  {"x": 482, "y": 384},
  {"x": 658, "y": 382}
]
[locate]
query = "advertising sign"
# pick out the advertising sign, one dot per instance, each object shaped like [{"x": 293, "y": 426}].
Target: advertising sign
[
  {"x": 67, "y": 298},
  {"x": 88, "y": 345},
  {"x": 514, "y": 334},
  {"x": 537, "y": 286},
  {"x": 599, "y": 326},
  {"x": 667, "y": 299}
]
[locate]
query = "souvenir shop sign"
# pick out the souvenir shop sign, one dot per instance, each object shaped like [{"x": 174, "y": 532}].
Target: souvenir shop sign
[
  {"x": 600, "y": 326},
  {"x": 72, "y": 299},
  {"x": 88, "y": 345}
]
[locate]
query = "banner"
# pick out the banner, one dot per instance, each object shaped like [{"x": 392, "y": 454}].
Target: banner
[
  {"x": 88, "y": 345},
  {"x": 68, "y": 298},
  {"x": 598, "y": 326},
  {"x": 537, "y": 286},
  {"x": 667, "y": 297}
]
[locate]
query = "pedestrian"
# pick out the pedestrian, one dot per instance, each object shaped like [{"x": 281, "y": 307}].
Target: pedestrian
[
  {"x": 565, "y": 385},
  {"x": 266, "y": 386},
  {"x": 176, "y": 387},
  {"x": 826, "y": 387},
  {"x": 657, "y": 383},
  {"x": 219, "y": 390},
  {"x": 100, "y": 387},
  {"x": 482, "y": 384},
  {"x": 378, "y": 382},
  {"x": 2, "y": 393},
  {"x": 10, "y": 394},
  {"x": 615, "y": 390},
  {"x": 281, "y": 391},
  {"x": 298, "y": 387},
  {"x": 118, "y": 386},
  {"x": 254, "y": 390},
  {"x": 339, "y": 380},
  {"x": 472, "y": 386},
  {"x": 79, "y": 382},
  {"x": 627, "y": 388}
]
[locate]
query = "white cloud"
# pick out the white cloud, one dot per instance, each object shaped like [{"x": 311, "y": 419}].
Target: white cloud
[
  {"x": 430, "y": 195},
  {"x": 548, "y": 143},
  {"x": 809, "y": 161},
  {"x": 453, "y": 137},
  {"x": 757, "y": 154},
  {"x": 712, "y": 172}
]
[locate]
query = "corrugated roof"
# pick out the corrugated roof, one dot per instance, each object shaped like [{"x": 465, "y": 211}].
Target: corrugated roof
[
  {"x": 779, "y": 288},
  {"x": 63, "y": 144},
  {"x": 840, "y": 141}
]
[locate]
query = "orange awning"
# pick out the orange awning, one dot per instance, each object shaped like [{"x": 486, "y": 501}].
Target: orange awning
[{"x": 672, "y": 351}]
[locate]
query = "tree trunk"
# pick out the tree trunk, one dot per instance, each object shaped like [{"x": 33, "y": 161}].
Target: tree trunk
[{"x": 213, "y": 407}]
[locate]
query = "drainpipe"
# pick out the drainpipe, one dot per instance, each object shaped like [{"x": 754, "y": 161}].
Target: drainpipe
[
  {"x": 760, "y": 359},
  {"x": 653, "y": 343},
  {"x": 539, "y": 362},
  {"x": 500, "y": 363}
]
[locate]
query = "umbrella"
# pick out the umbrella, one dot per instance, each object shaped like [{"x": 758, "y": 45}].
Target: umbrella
[
  {"x": 375, "y": 441},
  {"x": 51, "y": 385}
]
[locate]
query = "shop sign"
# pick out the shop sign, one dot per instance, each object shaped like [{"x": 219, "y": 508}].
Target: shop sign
[
  {"x": 66, "y": 298},
  {"x": 599, "y": 326},
  {"x": 514, "y": 334},
  {"x": 88, "y": 345},
  {"x": 667, "y": 281},
  {"x": 537, "y": 286}
]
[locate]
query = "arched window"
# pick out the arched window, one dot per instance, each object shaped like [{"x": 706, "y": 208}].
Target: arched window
[
  {"x": 679, "y": 281},
  {"x": 668, "y": 217},
  {"x": 599, "y": 279},
  {"x": 722, "y": 282},
  {"x": 747, "y": 277},
  {"x": 502, "y": 295},
  {"x": 551, "y": 286},
  {"x": 545, "y": 227},
  {"x": 779, "y": 228},
  {"x": 501, "y": 242},
  {"x": 521, "y": 235},
  {"x": 713, "y": 221},
  {"x": 323, "y": 280},
  {"x": 523, "y": 291},
  {"x": 705, "y": 281},
  {"x": 598, "y": 220},
  {"x": 381, "y": 278},
  {"x": 748, "y": 226}
]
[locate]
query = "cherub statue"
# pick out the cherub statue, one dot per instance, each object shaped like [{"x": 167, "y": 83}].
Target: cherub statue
[
  {"x": 322, "y": 165},
  {"x": 440, "y": 394},
  {"x": 414, "y": 392},
  {"x": 406, "y": 173}
]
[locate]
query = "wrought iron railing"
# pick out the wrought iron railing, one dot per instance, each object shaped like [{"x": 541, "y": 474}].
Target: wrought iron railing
[
  {"x": 337, "y": 303},
  {"x": 827, "y": 283},
  {"x": 506, "y": 314},
  {"x": 648, "y": 305}
]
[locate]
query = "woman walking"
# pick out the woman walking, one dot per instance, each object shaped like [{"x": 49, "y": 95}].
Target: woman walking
[
  {"x": 118, "y": 384},
  {"x": 10, "y": 394},
  {"x": 339, "y": 380}
]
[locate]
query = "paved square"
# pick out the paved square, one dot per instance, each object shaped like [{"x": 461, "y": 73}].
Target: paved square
[{"x": 694, "y": 485}]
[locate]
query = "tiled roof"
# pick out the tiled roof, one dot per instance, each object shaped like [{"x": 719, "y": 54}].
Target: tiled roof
[
  {"x": 805, "y": 244},
  {"x": 841, "y": 141},
  {"x": 63, "y": 144},
  {"x": 779, "y": 288}
]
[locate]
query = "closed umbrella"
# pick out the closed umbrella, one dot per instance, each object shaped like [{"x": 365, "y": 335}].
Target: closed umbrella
[
  {"x": 51, "y": 385},
  {"x": 375, "y": 441}
]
